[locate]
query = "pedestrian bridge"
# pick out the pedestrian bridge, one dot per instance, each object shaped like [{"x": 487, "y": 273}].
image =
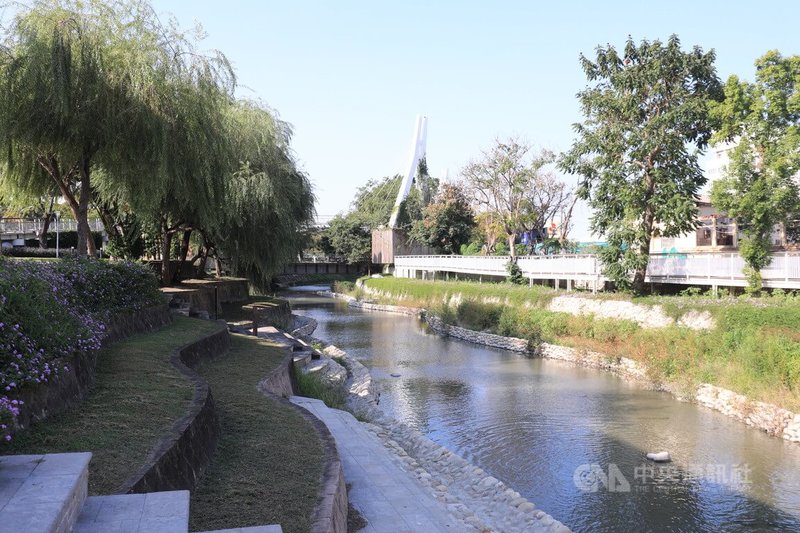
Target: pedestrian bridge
[{"x": 585, "y": 270}]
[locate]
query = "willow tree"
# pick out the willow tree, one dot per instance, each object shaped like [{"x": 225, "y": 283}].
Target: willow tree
[
  {"x": 65, "y": 95},
  {"x": 760, "y": 187},
  {"x": 268, "y": 201},
  {"x": 637, "y": 150}
]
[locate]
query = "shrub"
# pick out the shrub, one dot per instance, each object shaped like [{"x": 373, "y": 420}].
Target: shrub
[
  {"x": 478, "y": 316},
  {"x": 514, "y": 273},
  {"x": 343, "y": 287}
]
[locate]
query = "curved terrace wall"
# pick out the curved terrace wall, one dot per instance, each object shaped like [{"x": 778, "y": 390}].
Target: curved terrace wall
[
  {"x": 182, "y": 455},
  {"x": 330, "y": 513}
]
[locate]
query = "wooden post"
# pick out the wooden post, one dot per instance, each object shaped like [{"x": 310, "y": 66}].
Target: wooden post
[{"x": 255, "y": 321}]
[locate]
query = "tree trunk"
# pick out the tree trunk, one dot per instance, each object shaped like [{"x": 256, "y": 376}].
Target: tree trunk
[
  {"x": 644, "y": 250},
  {"x": 166, "y": 245},
  {"x": 86, "y": 245},
  {"x": 512, "y": 239},
  {"x": 48, "y": 219},
  {"x": 187, "y": 234}
]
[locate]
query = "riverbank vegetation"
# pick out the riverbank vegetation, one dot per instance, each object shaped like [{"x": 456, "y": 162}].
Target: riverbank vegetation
[
  {"x": 137, "y": 397},
  {"x": 269, "y": 461},
  {"x": 753, "y": 348}
]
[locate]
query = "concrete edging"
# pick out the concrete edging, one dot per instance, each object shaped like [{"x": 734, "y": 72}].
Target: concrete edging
[
  {"x": 181, "y": 456},
  {"x": 330, "y": 513}
]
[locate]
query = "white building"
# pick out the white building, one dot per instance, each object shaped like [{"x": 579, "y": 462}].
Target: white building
[{"x": 716, "y": 231}]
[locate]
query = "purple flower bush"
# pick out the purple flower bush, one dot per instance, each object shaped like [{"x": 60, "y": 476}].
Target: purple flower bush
[{"x": 51, "y": 310}]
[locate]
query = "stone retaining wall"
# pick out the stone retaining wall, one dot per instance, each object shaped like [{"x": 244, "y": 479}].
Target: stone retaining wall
[
  {"x": 647, "y": 316},
  {"x": 277, "y": 313},
  {"x": 303, "y": 326},
  {"x": 72, "y": 386},
  {"x": 478, "y": 337},
  {"x": 181, "y": 456},
  {"x": 330, "y": 513}
]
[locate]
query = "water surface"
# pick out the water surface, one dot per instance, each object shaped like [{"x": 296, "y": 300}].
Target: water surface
[{"x": 552, "y": 431}]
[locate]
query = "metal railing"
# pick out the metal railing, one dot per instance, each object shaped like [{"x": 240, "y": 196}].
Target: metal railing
[
  {"x": 21, "y": 226},
  {"x": 693, "y": 268}
]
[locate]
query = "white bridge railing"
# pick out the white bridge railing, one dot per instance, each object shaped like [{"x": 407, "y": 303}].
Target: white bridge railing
[
  {"x": 20, "y": 226},
  {"x": 713, "y": 269}
]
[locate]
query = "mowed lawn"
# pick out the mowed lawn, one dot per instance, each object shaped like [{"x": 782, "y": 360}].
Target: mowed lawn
[
  {"x": 269, "y": 463},
  {"x": 137, "y": 397}
]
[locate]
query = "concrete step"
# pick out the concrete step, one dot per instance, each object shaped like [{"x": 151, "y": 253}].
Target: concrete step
[
  {"x": 42, "y": 493},
  {"x": 154, "y": 512},
  {"x": 275, "y": 528}
]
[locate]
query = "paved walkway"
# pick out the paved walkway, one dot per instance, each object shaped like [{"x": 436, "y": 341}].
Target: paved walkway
[{"x": 386, "y": 495}]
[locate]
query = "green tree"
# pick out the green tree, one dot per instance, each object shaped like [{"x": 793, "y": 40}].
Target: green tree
[
  {"x": 448, "y": 221},
  {"x": 505, "y": 182},
  {"x": 350, "y": 234},
  {"x": 637, "y": 150},
  {"x": 760, "y": 188},
  {"x": 69, "y": 95},
  {"x": 350, "y": 239},
  {"x": 268, "y": 202}
]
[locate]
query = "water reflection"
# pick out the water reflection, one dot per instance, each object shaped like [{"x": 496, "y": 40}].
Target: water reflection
[{"x": 531, "y": 423}]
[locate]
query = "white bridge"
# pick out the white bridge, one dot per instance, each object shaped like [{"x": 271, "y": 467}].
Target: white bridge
[{"x": 708, "y": 269}]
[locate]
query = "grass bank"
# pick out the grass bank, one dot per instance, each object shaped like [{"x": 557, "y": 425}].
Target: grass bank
[
  {"x": 138, "y": 395},
  {"x": 754, "y": 348},
  {"x": 269, "y": 462}
]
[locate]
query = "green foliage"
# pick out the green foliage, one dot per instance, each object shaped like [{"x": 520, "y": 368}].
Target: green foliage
[
  {"x": 343, "y": 287},
  {"x": 515, "y": 273},
  {"x": 313, "y": 386},
  {"x": 512, "y": 184},
  {"x": 447, "y": 223},
  {"x": 473, "y": 248},
  {"x": 759, "y": 189},
  {"x": 478, "y": 316},
  {"x": 646, "y": 120},
  {"x": 350, "y": 239}
]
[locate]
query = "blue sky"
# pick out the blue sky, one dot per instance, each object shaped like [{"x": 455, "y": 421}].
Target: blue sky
[{"x": 352, "y": 76}]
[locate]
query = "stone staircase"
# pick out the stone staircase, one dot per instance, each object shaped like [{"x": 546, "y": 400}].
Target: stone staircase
[{"x": 48, "y": 493}]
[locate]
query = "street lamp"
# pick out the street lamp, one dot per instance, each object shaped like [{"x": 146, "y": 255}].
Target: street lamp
[{"x": 58, "y": 215}]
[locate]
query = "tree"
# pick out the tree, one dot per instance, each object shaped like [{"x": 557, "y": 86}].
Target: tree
[
  {"x": 506, "y": 182},
  {"x": 268, "y": 202},
  {"x": 350, "y": 238},
  {"x": 65, "y": 96},
  {"x": 760, "y": 188},
  {"x": 448, "y": 221},
  {"x": 350, "y": 234},
  {"x": 646, "y": 121}
]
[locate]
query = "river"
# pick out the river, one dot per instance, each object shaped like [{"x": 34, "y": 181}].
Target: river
[{"x": 569, "y": 439}]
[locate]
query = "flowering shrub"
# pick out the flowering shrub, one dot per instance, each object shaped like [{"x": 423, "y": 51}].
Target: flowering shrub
[{"x": 51, "y": 310}]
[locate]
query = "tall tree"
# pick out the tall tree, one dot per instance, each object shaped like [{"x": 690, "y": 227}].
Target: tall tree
[
  {"x": 646, "y": 122},
  {"x": 505, "y": 181},
  {"x": 268, "y": 200},
  {"x": 448, "y": 221},
  {"x": 760, "y": 188}
]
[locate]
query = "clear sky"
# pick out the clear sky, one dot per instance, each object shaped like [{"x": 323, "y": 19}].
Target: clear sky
[{"x": 352, "y": 76}]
